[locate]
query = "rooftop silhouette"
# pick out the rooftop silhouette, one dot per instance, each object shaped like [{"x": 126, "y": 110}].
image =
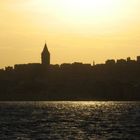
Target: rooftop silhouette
[{"x": 114, "y": 80}]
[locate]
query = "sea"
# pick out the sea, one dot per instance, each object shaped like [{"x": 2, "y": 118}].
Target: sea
[{"x": 70, "y": 120}]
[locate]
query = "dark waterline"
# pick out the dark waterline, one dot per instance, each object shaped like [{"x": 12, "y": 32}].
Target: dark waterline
[{"x": 69, "y": 120}]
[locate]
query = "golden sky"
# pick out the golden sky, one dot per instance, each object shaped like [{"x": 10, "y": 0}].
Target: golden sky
[{"x": 75, "y": 30}]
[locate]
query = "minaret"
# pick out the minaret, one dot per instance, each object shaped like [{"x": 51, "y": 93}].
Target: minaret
[{"x": 45, "y": 56}]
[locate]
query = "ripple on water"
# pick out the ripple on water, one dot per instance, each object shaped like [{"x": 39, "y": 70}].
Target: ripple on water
[{"x": 70, "y": 120}]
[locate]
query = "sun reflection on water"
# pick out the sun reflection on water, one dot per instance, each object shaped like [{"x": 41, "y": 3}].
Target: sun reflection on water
[{"x": 70, "y": 120}]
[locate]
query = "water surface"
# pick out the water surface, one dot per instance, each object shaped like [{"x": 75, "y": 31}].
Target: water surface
[{"x": 69, "y": 120}]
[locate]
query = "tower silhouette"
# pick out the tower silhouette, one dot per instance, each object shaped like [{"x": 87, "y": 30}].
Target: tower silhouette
[{"x": 45, "y": 56}]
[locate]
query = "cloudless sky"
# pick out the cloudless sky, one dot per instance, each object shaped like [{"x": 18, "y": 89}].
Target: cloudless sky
[{"x": 75, "y": 30}]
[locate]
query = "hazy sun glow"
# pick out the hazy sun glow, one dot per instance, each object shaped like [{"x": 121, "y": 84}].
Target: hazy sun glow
[
  {"x": 88, "y": 8},
  {"x": 87, "y": 12},
  {"x": 75, "y": 30}
]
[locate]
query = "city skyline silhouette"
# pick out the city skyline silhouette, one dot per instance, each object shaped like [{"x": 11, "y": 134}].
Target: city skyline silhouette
[
  {"x": 45, "y": 59},
  {"x": 114, "y": 80}
]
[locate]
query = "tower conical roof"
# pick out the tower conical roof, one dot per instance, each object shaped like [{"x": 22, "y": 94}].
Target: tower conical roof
[{"x": 45, "y": 49}]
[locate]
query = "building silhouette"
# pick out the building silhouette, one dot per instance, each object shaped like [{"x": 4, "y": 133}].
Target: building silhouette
[
  {"x": 112, "y": 80},
  {"x": 45, "y": 56}
]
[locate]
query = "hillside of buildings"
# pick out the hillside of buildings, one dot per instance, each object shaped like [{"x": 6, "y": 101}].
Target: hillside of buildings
[{"x": 114, "y": 80}]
